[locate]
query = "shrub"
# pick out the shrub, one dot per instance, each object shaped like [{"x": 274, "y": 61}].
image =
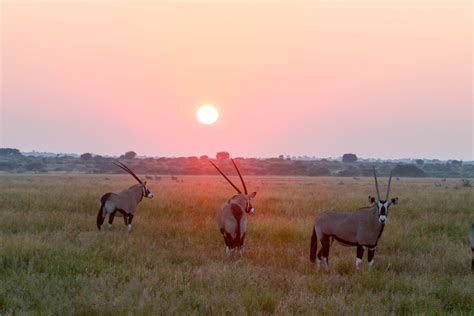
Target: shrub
[{"x": 349, "y": 158}]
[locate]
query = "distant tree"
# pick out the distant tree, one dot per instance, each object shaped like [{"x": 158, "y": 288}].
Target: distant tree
[
  {"x": 349, "y": 172},
  {"x": 319, "y": 171},
  {"x": 456, "y": 162},
  {"x": 130, "y": 155},
  {"x": 204, "y": 157},
  {"x": 34, "y": 166},
  {"x": 281, "y": 157},
  {"x": 348, "y": 158},
  {"x": 192, "y": 159},
  {"x": 222, "y": 155},
  {"x": 9, "y": 152},
  {"x": 408, "y": 171},
  {"x": 86, "y": 156},
  {"x": 420, "y": 162}
]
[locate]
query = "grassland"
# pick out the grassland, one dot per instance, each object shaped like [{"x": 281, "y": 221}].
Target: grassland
[{"x": 53, "y": 260}]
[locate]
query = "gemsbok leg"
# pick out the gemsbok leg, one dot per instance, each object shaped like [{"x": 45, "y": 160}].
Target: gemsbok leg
[
  {"x": 471, "y": 241},
  {"x": 111, "y": 219},
  {"x": 360, "y": 255},
  {"x": 323, "y": 254},
  {"x": 370, "y": 257}
]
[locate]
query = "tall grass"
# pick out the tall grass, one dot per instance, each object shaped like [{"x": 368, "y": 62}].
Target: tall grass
[{"x": 53, "y": 260}]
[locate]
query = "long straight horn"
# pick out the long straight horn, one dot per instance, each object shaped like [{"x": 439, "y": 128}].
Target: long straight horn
[
  {"x": 376, "y": 184},
  {"x": 388, "y": 188},
  {"x": 241, "y": 179},
  {"x": 228, "y": 180},
  {"x": 127, "y": 169}
]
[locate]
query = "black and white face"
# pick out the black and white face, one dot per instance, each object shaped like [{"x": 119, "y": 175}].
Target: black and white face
[
  {"x": 249, "y": 209},
  {"x": 147, "y": 193},
  {"x": 382, "y": 207}
]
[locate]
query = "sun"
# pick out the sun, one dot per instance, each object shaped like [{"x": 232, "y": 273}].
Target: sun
[{"x": 207, "y": 114}]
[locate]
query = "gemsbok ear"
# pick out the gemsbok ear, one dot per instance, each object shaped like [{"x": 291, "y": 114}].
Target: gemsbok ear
[
  {"x": 394, "y": 200},
  {"x": 252, "y": 195},
  {"x": 371, "y": 199}
]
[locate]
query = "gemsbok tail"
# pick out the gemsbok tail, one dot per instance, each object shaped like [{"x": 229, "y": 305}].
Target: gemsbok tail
[
  {"x": 237, "y": 212},
  {"x": 100, "y": 214},
  {"x": 314, "y": 246}
]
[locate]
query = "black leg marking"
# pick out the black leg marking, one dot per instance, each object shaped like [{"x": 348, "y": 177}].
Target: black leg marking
[
  {"x": 242, "y": 240},
  {"x": 130, "y": 217},
  {"x": 360, "y": 252},
  {"x": 229, "y": 241},
  {"x": 111, "y": 217},
  {"x": 370, "y": 255}
]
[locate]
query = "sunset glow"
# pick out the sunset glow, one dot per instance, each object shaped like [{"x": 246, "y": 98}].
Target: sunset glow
[
  {"x": 317, "y": 78},
  {"x": 207, "y": 114}
]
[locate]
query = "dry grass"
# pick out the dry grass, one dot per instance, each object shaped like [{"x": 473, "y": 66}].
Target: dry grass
[{"x": 54, "y": 261}]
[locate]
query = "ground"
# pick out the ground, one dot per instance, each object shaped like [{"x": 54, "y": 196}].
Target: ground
[{"x": 53, "y": 260}]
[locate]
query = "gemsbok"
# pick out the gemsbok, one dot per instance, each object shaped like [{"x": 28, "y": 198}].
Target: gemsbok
[
  {"x": 361, "y": 228},
  {"x": 471, "y": 240},
  {"x": 124, "y": 203},
  {"x": 231, "y": 219}
]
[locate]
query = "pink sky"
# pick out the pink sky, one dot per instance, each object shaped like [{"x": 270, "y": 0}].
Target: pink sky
[{"x": 386, "y": 79}]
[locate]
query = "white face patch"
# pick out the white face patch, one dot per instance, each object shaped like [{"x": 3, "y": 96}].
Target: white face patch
[
  {"x": 150, "y": 195},
  {"x": 383, "y": 217}
]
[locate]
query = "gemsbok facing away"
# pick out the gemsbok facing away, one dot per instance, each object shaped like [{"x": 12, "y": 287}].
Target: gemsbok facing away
[
  {"x": 471, "y": 240},
  {"x": 361, "y": 229},
  {"x": 124, "y": 203},
  {"x": 231, "y": 219}
]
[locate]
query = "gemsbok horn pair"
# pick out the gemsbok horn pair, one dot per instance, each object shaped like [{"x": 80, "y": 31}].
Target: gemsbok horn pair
[
  {"x": 124, "y": 203},
  {"x": 361, "y": 228},
  {"x": 231, "y": 219}
]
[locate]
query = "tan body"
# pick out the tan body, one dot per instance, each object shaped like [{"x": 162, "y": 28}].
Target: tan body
[
  {"x": 127, "y": 200},
  {"x": 360, "y": 227},
  {"x": 231, "y": 215}
]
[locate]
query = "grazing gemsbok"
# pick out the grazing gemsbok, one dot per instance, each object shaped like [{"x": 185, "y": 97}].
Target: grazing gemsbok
[
  {"x": 471, "y": 240},
  {"x": 361, "y": 228},
  {"x": 231, "y": 219},
  {"x": 124, "y": 203}
]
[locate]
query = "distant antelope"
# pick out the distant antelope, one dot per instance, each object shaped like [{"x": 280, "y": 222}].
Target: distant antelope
[
  {"x": 231, "y": 219},
  {"x": 124, "y": 203},
  {"x": 361, "y": 228},
  {"x": 471, "y": 240}
]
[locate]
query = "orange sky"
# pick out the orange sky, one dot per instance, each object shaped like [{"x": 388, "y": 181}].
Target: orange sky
[{"x": 386, "y": 79}]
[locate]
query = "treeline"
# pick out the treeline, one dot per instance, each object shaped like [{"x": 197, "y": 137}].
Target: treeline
[{"x": 14, "y": 162}]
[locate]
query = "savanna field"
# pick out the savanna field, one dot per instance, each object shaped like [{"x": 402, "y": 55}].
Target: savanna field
[{"x": 53, "y": 260}]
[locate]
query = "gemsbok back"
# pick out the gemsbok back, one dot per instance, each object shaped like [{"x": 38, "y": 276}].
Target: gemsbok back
[
  {"x": 124, "y": 203},
  {"x": 361, "y": 228},
  {"x": 471, "y": 240},
  {"x": 231, "y": 219}
]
